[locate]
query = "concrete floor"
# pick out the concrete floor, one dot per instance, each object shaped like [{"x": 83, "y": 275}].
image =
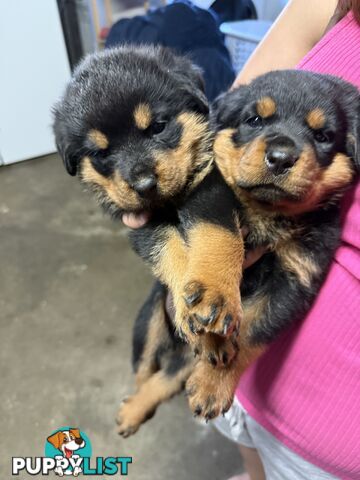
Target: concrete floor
[{"x": 70, "y": 288}]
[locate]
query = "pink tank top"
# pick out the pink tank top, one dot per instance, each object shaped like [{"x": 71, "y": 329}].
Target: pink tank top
[{"x": 306, "y": 389}]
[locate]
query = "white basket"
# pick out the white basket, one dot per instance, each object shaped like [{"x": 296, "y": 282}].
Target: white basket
[{"x": 241, "y": 39}]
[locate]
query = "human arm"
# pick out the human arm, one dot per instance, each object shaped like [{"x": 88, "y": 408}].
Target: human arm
[{"x": 298, "y": 28}]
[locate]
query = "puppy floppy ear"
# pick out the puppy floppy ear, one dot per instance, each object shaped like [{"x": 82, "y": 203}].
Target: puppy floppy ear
[
  {"x": 69, "y": 158},
  {"x": 193, "y": 86},
  {"x": 197, "y": 99},
  {"x": 226, "y": 109},
  {"x": 56, "y": 439},
  {"x": 64, "y": 140}
]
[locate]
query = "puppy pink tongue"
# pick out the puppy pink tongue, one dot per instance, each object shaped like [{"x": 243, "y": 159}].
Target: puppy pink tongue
[
  {"x": 137, "y": 220},
  {"x": 68, "y": 453}
]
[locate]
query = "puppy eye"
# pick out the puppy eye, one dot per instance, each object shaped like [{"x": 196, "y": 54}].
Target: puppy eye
[
  {"x": 254, "y": 122},
  {"x": 157, "y": 127},
  {"x": 323, "y": 137},
  {"x": 65, "y": 440},
  {"x": 98, "y": 154}
]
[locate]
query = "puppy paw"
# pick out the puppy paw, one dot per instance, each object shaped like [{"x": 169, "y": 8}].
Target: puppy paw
[
  {"x": 130, "y": 416},
  {"x": 216, "y": 350},
  {"x": 188, "y": 329},
  {"x": 214, "y": 309},
  {"x": 208, "y": 395}
]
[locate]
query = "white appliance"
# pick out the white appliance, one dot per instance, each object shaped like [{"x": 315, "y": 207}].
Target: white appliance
[{"x": 34, "y": 69}]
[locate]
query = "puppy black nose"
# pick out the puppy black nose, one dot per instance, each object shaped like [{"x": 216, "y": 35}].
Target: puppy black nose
[
  {"x": 79, "y": 441},
  {"x": 145, "y": 184},
  {"x": 279, "y": 160}
]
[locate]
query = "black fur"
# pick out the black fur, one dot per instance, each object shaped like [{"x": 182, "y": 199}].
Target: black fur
[{"x": 171, "y": 353}]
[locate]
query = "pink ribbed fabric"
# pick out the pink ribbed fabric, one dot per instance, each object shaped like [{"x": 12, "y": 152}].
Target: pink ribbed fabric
[{"x": 306, "y": 389}]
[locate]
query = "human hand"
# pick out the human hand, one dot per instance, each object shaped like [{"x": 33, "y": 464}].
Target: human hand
[{"x": 136, "y": 220}]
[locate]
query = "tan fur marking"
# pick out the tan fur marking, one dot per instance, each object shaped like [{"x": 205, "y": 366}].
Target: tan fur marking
[
  {"x": 266, "y": 107},
  {"x": 316, "y": 119},
  {"x": 319, "y": 183},
  {"x": 297, "y": 262},
  {"x": 99, "y": 139},
  {"x": 171, "y": 264},
  {"x": 245, "y": 163},
  {"x": 215, "y": 255},
  {"x": 338, "y": 174},
  {"x": 114, "y": 188},
  {"x": 174, "y": 166},
  {"x": 307, "y": 180},
  {"x": 215, "y": 263},
  {"x": 142, "y": 116}
]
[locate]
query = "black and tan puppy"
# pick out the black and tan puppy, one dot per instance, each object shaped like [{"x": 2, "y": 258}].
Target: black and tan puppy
[
  {"x": 133, "y": 125},
  {"x": 288, "y": 146}
]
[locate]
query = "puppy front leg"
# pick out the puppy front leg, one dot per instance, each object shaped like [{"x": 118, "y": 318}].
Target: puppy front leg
[
  {"x": 209, "y": 305},
  {"x": 163, "y": 247},
  {"x": 171, "y": 261},
  {"x": 211, "y": 390},
  {"x": 204, "y": 277},
  {"x": 212, "y": 280},
  {"x": 211, "y": 293}
]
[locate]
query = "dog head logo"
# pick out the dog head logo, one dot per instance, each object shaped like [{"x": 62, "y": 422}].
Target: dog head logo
[
  {"x": 68, "y": 446},
  {"x": 67, "y": 441}
]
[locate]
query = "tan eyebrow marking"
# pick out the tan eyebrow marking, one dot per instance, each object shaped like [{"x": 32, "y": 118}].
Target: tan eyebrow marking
[
  {"x": 266, "y": 107},
  {"x": 316, "y": 118},
  {"x": 98, "y": 138},
  {"x": 142, "y": 116}
]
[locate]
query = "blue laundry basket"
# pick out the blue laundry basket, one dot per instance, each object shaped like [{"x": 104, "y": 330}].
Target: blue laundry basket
[{"x": 241, "y": 39}]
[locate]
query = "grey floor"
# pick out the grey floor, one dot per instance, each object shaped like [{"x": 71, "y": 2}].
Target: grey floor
[{"x": 69, "y": 289}]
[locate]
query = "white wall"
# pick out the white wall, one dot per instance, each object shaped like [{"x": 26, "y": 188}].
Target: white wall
[{"x": 33, "y": 71}]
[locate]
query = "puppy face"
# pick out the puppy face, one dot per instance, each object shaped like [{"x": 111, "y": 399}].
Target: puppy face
[
  {"x": 288, "y": 141},
  {"x": 133, "y": 123}
]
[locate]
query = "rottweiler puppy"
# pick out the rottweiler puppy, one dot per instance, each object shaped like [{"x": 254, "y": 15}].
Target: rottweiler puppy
[
  {"x": 288, "y": 146},
  {"x": 133, "y": 125}
]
